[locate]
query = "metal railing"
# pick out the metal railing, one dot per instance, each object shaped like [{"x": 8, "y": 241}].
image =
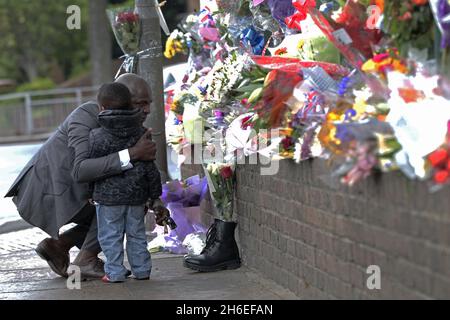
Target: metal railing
[{"x": 38, "y": 112}]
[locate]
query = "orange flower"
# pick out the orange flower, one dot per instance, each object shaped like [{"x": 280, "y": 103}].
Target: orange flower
[
  {"x": 280, "y": 51},
  {"x": 410, "y": 94},
  {"x": 380, "y": 4},
  {"x": 286, "y": 132}
]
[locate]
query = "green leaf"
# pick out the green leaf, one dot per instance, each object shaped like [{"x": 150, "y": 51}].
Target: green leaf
[
  {"x": 260, "y": 80},
  {"x": 248, "y": 88}
]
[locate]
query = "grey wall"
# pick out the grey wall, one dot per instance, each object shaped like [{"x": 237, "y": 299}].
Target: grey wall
[{"x": 317, "y": 237}]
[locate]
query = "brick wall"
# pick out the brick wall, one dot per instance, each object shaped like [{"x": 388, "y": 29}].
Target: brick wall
[{"x": 317, "y": 237}]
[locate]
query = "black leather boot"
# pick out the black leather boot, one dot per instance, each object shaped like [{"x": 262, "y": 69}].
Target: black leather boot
[{"x": 221, "y": 251}]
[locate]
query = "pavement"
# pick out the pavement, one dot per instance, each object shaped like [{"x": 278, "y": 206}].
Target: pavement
[{"x": 23, "y": 275}]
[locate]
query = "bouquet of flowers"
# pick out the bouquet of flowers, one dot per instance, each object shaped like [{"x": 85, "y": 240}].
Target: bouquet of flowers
[
  {"x": 126, "y": 26},
  {"x": 183, "y": 199},
  {"x": 178, "y": 42},
  {"x": 221, "y": 80},
  {"x": 221, "y": 181},
  {"x": 179, "y": 101},
  {"x": 186, "y": 39}
]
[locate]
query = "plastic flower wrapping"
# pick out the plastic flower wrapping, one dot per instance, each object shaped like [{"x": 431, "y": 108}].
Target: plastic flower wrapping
[
  {"x": 126, "y": 26},
  {"x": 360, "y": 83},
  {"x": 183, "y": 199},
  {"x": 221, "y": 179}
]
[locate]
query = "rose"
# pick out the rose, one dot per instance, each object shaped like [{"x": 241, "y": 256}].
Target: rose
[
  {"x": 226, "y": 172},
  {"x": 287, "y": 143},
  {"x": 127, "y": 17},
  {"x": 127, "y": 30}
]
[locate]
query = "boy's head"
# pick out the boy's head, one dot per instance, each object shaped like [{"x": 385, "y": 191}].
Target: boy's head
[{"x": 113, "y": 96}]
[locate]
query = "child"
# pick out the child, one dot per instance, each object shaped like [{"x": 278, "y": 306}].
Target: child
[{"x": 121, "y": 200}]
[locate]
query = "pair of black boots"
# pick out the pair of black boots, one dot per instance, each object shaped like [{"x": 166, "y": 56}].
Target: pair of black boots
[{"x": 221, "y": 251}]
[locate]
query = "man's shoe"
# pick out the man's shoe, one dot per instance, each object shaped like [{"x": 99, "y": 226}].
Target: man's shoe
[
  {"x": 221, "y": 251},
  {"x": 57, "y": 258},
  {"x": 93, "y": 270}
]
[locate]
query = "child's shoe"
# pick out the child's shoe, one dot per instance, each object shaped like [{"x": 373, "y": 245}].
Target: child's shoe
[{"x": 105, "y": 279}]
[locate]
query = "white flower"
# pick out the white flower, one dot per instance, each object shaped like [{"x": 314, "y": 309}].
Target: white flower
[
  {"x": 192, "y": 19},
  {"x": 215, "y": 169}
]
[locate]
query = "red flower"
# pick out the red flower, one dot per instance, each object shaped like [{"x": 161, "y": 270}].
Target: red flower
[
  {"x": 380, "y": 57},
  {"x": 127, "y": 17},
  {"x": 438, "y": 157},
  {"x": 287, "y": 143},
  {"x": 226, "y": 172},
  {"x": 420, "y": 2},
  {"x": 246, "y": 122},
  {"x": 441, "y": 176}
]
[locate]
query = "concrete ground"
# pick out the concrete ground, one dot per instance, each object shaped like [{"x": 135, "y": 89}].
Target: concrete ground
[{"x": 23, "y": 275}]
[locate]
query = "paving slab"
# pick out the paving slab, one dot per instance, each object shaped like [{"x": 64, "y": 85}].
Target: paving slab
[{"x": 23, "y": 275}]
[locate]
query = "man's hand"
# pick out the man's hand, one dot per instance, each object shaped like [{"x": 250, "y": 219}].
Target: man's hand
[{"x": 144, "y": 149}]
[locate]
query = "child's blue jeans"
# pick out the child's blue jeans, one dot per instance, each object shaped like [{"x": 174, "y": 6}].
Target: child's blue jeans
[{"x": 113, "y": 223}]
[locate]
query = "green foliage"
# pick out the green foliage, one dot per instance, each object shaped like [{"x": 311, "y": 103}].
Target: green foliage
[
  {"x": 37, "y": 84},
  {"x": 415, "y": 31},
  {"x": 35, "y": 37},
  {"x": 124, "y": 4}
]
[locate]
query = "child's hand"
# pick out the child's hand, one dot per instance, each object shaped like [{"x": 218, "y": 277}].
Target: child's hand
[{"x": 161, "y": 214}]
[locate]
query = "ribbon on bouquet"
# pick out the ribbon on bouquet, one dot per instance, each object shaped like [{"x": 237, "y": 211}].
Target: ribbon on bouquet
[
  {"x": 251, "y": 37},
  {"x": 302, "y": 6}
]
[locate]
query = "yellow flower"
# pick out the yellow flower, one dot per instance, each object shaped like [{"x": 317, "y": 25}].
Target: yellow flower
[
  {"x": 360, "y": 107},
  {"x": 369, "y": 66},
  {"x": 174, "y": 105},
  {"x": 286, "y": 132},
  {"x": 287, "y": 154},
  {"x": 177, "y": 46},
  {"x": 300, "y": 44},
  {"x": 169, "y": 53}
]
